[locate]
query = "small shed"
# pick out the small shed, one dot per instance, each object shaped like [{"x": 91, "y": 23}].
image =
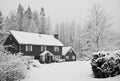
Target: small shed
[{"x": 68, "y": 54}]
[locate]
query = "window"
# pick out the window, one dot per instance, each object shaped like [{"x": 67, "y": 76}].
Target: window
[
  {"x": 56, "y": 49},
  {"x": 73, "y": 57},
  {"x": 67, "y": 57},
  {"x": 43, "y": 48},
  {"x": 28, "y": 47},
  {"x": 57, "y": 57}
]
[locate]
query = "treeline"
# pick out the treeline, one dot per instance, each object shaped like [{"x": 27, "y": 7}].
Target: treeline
[
  {"x": 96, "y": 35},
  {"x": 25, "y": 20}
]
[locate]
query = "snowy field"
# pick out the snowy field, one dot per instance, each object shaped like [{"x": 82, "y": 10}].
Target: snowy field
[{"x": 66, "y": 71}]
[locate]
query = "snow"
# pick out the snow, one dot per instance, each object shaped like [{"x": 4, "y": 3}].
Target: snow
[
  {"x": 43, "y": 53},
  {"x": 35, "y": 38},
  {"x": 65, "y": 50},
  {"x": 65, "y": 71}
]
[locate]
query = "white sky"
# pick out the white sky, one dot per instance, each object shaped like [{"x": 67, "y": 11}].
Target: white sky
[{"x": 65, "y": 10}]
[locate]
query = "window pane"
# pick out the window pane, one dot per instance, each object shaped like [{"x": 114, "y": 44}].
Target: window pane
[
  {"x": 67, "y": 57},
  {"x": 30, "y": 48},
  {"x": 73, "y": 57},
  {"x": 26, "y": 48},
  {"x": 45, "y": 48},
  {"x": 56, "y": 49},
  {"x": 41, "y": 48},
  {"x": 57, "y": 57}
]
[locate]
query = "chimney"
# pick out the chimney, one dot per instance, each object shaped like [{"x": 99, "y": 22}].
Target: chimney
[{"x": 56, "y": 36}]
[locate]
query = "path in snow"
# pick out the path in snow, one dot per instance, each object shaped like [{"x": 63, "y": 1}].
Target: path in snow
[{"x": 67, "y": 71}]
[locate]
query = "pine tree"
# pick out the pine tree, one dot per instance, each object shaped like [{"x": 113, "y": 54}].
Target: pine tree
[
  {"x": 28, "y": 13},
  {"x": 1, "y": 20},
  {"x": 42, "y": 29},
  {"x": 20, "y": 12}
]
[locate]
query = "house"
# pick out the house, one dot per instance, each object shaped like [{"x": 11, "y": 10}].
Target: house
[
  {"x": 47, "y": 48},
  {"x": 68, "y": 54}
]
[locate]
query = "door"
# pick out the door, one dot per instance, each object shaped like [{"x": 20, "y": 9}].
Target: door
[{"x": 48, "y": 58}]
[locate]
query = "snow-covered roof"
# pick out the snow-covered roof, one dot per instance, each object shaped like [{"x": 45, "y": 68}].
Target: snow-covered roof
[
  {"x": 35, "y": 38},
  {"x": 65, "y": 50},
  {"x": 45, "y": 52}
]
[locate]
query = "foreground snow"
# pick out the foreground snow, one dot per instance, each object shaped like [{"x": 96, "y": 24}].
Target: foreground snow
[{"x": 67, "y": 71}]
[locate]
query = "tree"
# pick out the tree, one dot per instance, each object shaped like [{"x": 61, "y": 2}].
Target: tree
[
  {"x": 36, "y": 20},
  {"x": 43, "y": 20},
  {"x": 70, "y": 35},
  {"x": 10, "y": 23},
  {"x": 97, "y": 24},
  {"x": 1, "y": 20},
  {"x": 28, "y": 20},
  {"x": 20, "y": 12}
]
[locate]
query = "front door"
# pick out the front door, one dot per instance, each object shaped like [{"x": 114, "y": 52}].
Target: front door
[{"x": 48, "y": 58}]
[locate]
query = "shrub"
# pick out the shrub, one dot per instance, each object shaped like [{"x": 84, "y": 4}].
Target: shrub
[
  {"x": 105, "y": 64},
  {"x": 12, "y": 67}
]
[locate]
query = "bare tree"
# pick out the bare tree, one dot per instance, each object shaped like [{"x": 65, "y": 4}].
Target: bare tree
[{"x": 97, "y": 24}]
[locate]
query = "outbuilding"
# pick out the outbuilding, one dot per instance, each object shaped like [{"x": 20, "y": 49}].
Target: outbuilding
[{"x": 68, "y": 54}]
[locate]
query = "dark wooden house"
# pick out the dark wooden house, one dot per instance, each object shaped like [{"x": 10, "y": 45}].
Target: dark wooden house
[
  {"x": 68, "y": 54},
  {"x": 47, "y": 48}
]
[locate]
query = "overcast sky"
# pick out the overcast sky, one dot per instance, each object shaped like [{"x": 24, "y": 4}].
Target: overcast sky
[{"x": 65, "y": 10}]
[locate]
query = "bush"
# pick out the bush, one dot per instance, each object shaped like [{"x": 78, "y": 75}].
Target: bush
[
  {"x": 105, "y": 64},
  {"x": 12, "y": 67}
]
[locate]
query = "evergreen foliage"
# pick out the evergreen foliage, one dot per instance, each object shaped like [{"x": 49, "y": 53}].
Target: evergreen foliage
[{"x": 106, "y": 64}]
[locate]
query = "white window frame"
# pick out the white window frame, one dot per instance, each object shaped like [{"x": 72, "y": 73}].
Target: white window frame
[
  {"x": 43, "y": 48},
  {"x": 67, "y": 57},
  {"x": 73, "y": 57},
  {"x": 56, "y": 49},
  {"x": 57, "y": 57},
  {"x": 31, "y": 48},
  {"x": 27, "y": 47}
]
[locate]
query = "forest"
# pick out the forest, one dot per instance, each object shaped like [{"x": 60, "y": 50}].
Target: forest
[{"x": 95, "y": 35}]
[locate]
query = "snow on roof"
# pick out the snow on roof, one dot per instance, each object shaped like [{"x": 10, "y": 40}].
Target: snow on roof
[
  {"x": 35, "y": 38},
  {"x": 45, "y": 52},
  {"x": 65, "y": 50}
]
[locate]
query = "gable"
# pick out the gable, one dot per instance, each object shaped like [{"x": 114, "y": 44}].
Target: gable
[
  {"x": 70, "y": 53},
  {"x": 65, "y": 50},
  {"x": 9, "y": 40}
]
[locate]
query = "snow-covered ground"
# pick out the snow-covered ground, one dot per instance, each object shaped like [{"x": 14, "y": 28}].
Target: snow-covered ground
[{"x": 66, "y": 71}]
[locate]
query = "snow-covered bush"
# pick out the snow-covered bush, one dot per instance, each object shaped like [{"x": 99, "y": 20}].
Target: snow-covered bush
[
  {"x": 13, "y": 67},
  {"x": 106, "y": 64}
]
